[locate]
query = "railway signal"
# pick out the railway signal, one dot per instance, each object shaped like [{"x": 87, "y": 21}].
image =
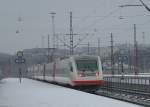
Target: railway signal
[
  {"x": 20, "y": 60},
  {"x": 123, "y": 59}
]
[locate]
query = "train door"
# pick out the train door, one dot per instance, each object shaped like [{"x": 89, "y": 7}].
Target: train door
[{"x": 72, "y": 70}]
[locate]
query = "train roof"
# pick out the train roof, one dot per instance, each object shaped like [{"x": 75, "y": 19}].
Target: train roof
[{"x": 84, "y": 56}]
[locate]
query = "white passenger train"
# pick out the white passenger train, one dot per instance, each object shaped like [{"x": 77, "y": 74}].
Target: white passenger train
[{"x": 74, "y": 71}]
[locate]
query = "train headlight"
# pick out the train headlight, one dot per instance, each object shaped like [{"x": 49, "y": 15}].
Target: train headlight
[
  {"x": 81, "y": 74},
  {"x": 97, "y": 74}
]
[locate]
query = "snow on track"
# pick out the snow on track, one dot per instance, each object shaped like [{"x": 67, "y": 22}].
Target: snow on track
[{"x": 31, "y": 93}]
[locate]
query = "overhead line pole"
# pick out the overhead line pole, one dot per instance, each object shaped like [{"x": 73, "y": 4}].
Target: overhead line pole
[
  {"x": 71, "y": 36},
  {"x": 112, "y": 56},
  {"x": 42, "y": 42},
  {"x": 135, "y": 52},
  {"x": 48, "y": 49},
  {"x": 88, "y": 48},
  {"x": 98, "y": 46},
  {"x": 54, "y": 35},
  {"x": 53, "y": 29},
  {"x": 143, "y": 36}
]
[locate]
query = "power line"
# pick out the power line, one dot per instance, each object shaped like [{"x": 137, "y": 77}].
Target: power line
[
  {"x": 146, "y": 7},
  {"x": 84, "y": 19},
  {"x": 130, "y": 5},
  {"x": 136, "y": 15},
  {"x": 96, "y": 21}
]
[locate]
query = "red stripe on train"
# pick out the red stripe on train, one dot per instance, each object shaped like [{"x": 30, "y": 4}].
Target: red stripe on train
[{"x": 88, "y": 82}]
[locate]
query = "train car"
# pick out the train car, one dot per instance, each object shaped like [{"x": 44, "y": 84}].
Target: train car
[{"x": 74, "y": 71}]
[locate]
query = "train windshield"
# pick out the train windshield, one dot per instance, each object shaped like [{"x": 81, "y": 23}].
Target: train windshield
[{"x": 87, "y": 65}]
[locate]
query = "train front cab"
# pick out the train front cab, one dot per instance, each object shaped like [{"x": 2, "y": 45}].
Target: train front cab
[{"x": 88, "y": 71}]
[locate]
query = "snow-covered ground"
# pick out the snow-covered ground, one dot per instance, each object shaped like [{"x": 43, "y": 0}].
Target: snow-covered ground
[{"x": 32, "y": 93}]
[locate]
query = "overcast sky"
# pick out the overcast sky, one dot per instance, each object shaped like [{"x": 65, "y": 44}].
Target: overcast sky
[{"x": 98, "y": 17}]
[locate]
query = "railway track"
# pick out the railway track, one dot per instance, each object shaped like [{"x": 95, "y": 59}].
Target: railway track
[
  {"x": 131, "y": 89},
  {"x": 132, "y": 96}
]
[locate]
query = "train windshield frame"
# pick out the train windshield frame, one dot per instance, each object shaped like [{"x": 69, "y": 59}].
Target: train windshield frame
[{"x": 87, "y": 65}]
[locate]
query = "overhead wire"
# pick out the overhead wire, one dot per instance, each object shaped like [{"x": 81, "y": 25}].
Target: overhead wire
[
  {"x": 83, "y": 19},
  {"x": 101, "y": 19},
  {"x": 95, "y": 22}
]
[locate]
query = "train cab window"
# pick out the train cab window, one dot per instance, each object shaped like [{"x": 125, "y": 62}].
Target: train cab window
[{"x": 87, "y": 65}]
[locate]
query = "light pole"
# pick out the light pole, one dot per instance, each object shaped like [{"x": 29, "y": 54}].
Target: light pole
[{"x": 53, "y": 29}]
